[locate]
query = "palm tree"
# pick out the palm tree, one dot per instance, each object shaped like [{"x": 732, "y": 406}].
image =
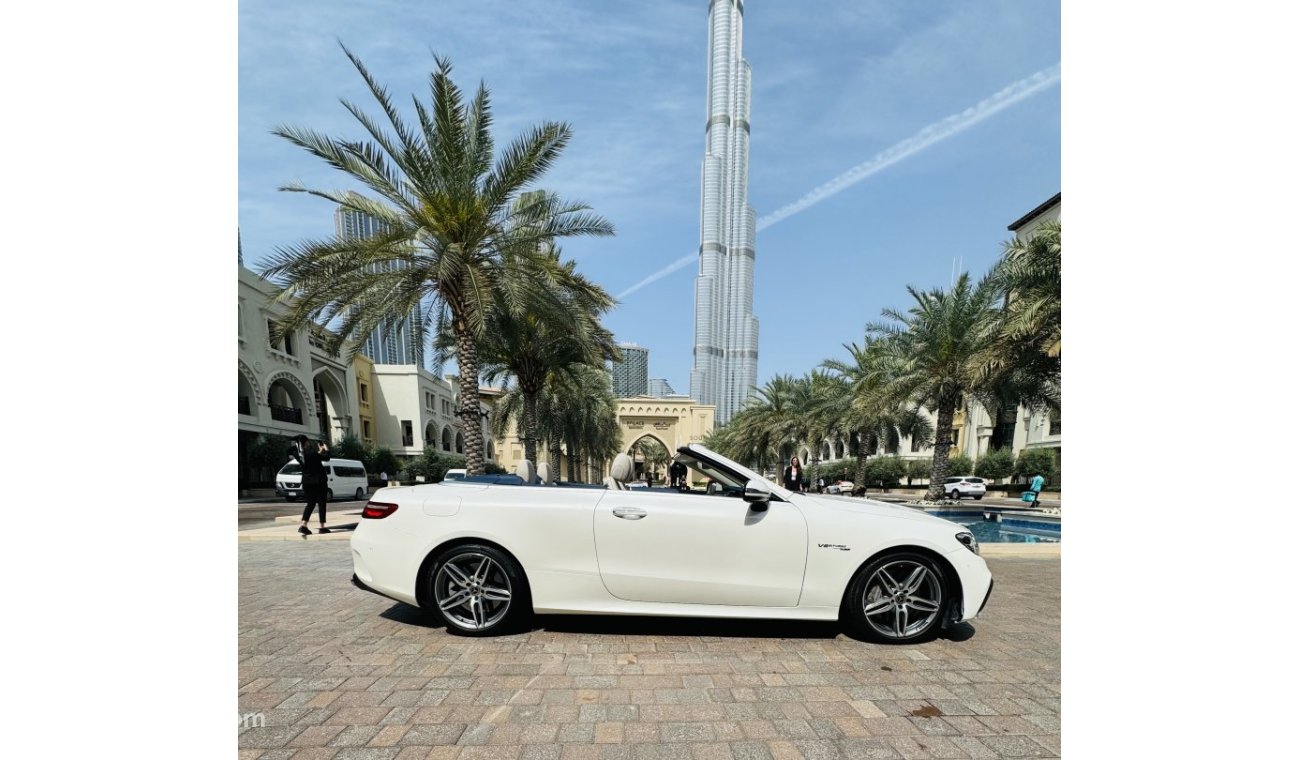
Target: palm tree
[
  {"x": 448, "y": 215},
  {"x": 937, "y": 350},
  {"x": 861, "y": 403},
  {"x": 534, "y": 334}
]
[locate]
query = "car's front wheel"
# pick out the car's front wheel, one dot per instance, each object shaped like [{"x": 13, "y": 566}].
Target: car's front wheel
[
  {"x": 898, "y": 599},
  {"x": 479, "y": 590}
]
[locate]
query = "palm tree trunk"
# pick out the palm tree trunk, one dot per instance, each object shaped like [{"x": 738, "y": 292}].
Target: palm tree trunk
[
  {"x": 573, "y": 464},
  {"x": 555, "y": 460},
  {"x": 530, "y": 426},
  {"x": 470, "y": 421},
  {"x": 942, "y": 444},
  {"x": 860, "y": 475}
]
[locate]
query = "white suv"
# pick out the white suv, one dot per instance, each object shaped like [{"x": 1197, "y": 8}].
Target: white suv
[{"x": 963, "y": 485}]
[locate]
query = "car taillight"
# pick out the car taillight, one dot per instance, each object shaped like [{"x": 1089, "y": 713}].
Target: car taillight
[{"x": 378, "y": 510}]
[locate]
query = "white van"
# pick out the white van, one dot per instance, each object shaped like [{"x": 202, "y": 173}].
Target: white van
[
  {"x": 455, "y": 473},
  {"x": 347, "y": 480}
]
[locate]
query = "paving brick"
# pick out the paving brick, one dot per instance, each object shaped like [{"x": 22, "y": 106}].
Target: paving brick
[{"x": 352, "y": 675}]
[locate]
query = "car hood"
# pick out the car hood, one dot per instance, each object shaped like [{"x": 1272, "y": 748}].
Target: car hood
[{"x": 874, "y": 508}]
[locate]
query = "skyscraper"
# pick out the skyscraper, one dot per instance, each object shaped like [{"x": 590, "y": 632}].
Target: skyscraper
[
  {"x": 726, "y": 333},
  {"x": 631, "y": 373},
  {"x": 659, "y": 387},
  {"x": 400, "y": 346}
]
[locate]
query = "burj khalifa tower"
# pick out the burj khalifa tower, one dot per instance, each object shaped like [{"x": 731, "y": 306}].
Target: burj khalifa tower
[{"x": 725, "y": 367}]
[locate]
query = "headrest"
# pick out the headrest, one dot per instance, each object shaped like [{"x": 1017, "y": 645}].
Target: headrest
[
  {"x": 544, "y": 472},
  {"x": 623, "y": 469},
  {"x": 525, "y": 470}
]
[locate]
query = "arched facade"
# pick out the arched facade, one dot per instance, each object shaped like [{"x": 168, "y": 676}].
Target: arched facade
[
  {"x": 289, "y": 400},
  {"x": 251, "y": 400},
  {"x": 446, "y": 438},
  {"x": 331, "y": 405}
]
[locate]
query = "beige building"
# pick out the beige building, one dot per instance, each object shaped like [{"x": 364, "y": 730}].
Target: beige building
[
  {"x": 673, "y": 422},
  {"x": 291, "y": 386},
  {"x": 364, "y": 369},
  {"x": 415, "y": 409}
]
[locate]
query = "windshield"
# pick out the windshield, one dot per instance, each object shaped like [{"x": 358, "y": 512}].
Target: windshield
[
  {"x": 455, "y": 476},
  {"x": 719, "y": 468},
  {"x": 291, "y": 469}
]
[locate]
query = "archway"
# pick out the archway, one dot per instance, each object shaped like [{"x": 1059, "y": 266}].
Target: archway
[
  {"x": 460, "y": 443},
  {"x": 288, "y": 398},
  {"x": 250, "y": 393},
  {"x": 651, "y": 454},
  {"x": 446, "y": 438},
  {"x": 331, "y": 405},
  {"x": 430, "y": 433}
]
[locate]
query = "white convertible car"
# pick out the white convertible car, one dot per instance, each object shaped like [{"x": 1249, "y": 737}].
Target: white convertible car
[{"x": 484, "y": 554}]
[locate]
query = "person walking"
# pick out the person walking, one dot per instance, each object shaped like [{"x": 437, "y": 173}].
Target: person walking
[
  {"x": 1036, "y": 485},
  {"x": 793, "y": 477},
  {"x": 315, "y": 479}
]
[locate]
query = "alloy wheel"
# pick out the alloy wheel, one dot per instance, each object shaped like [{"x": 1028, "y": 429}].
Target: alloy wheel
[
  {"x": 473, "y": 591},
  {"x": 902, "y": 598}
]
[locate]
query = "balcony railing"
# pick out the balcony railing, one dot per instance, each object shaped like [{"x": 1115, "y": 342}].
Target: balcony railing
[
  {"x": 286, "y": 414},
  {"x": 244, "y": 406}
]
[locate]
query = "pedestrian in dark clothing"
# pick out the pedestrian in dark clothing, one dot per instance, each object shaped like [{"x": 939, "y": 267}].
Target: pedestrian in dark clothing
[
  {"x": 315, "y": 478},
  {"x": 793, "y": 478}
]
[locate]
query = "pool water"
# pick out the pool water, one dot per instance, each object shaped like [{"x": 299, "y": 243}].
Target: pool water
[{"x": 990, "y": 532}]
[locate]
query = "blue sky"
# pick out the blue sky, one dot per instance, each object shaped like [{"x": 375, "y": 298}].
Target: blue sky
[{"x": 836, "y": 83}]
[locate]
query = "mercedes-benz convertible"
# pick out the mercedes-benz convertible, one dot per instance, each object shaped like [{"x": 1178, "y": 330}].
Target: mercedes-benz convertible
[{"x": 483, "y": 554}]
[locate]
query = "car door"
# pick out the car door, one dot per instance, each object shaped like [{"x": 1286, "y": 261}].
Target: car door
[{"x": 693, "y": 548}]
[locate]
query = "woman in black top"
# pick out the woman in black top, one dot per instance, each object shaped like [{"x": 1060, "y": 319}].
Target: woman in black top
[{"x": 793, "y": 478}]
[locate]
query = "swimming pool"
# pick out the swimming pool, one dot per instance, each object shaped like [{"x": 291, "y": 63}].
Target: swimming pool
[{"x": 1012, "y": 530}]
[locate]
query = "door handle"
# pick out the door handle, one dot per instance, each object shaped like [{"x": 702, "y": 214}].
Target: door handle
[{"x": 629, "y": 513}]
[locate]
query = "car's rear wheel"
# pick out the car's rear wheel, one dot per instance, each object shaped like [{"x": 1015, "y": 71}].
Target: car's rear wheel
[
  {"x": 899, "y": 598},
  {"x": 955, "y": 495},
  {"x": 329, "y": 494},
  {"x": 979, "y": 496},
  {"x": 360, "y": 494},
  {"x": 479, "y": 590}
]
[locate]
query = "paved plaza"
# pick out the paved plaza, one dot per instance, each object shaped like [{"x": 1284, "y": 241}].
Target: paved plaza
[{"x": 330, "y": 671}]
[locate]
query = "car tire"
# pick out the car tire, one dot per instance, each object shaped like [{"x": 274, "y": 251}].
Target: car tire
[
  {"x": 980, "y": 496},
  {"x": 360, "y": 494},
  {"x": 955, "y": 496},
  {"x": 478, "y": 590},
  {"x": 329, "y": 494},
  {"x": 899, "y": 598},
  {"x": 291, "y": 498}
]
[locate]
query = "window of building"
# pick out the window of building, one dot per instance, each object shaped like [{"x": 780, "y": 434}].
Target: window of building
[
  {"x": 1054, "y": 423},
  {"x": 365, "y": 429},
  {"x": 364, "y": 393},
  {"x": 952, "y": 442},
  {"x": 408, "y": 433},
  {"x": 916, "y": 443},
  {"x": 241, "y": 319}
]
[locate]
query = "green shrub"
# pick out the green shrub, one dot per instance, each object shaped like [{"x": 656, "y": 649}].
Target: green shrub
[
  {"x": 960, "y": 464},
  {"x": 381, "y": 460},
  {"x": 1033, "y": 462},
  {"x": 995, "y": 464},
  {"x": 350, "y": 447},
  {"x": 886, "y": 471},
  {"x": 919, "y": 469},
  {"x": 492, "y": 468}
]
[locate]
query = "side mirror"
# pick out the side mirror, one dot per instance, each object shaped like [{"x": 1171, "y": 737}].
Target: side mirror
[{"x": 757, "y": 494}]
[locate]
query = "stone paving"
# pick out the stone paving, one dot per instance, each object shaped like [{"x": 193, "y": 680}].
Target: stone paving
[{"x": 330, "y": 671}]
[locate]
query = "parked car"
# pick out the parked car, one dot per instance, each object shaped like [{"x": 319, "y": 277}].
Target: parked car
[
  {"x": 482, "y": 557},
  {"x": 840, "y": 486},
  {"x": 347, "y": 478},
  {"x": 455, "y": 473},
  {"x": 964, "y": 485}
]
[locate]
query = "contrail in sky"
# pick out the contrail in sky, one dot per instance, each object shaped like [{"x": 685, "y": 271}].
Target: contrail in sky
[{"x": 929, "y": 135}]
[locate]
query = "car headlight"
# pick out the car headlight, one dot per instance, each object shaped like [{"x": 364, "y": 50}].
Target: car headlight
[{"x": 967, "y": 540}]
